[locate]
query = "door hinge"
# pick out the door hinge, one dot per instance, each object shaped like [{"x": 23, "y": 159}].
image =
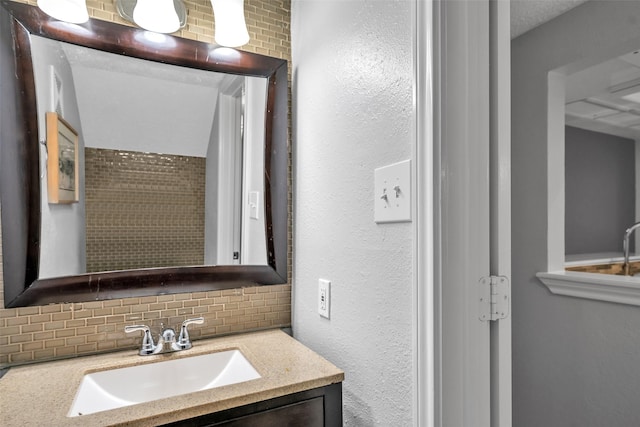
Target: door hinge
[{"x": 495, "y": 296}]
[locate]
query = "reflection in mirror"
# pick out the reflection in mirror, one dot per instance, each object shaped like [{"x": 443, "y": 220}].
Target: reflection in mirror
[
  {"x": 602, "y": 117},
  {"x": 172, "y": 169},
  {"x": 218, "y": 163}
]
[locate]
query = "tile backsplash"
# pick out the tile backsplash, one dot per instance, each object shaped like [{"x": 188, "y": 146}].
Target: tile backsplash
[
  {"x": 30, "y": 334},
  {"x": 61, "y": 330}
]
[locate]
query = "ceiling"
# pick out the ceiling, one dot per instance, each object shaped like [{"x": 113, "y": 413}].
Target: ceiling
[
  {"x": 528, "y": 14},
  {"x": 136, "y": 105},
  {"x": 606, "y": 97}
]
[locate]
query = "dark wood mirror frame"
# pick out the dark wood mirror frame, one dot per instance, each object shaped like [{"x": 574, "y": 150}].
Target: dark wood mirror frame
[{"x": 20, "y": 175}]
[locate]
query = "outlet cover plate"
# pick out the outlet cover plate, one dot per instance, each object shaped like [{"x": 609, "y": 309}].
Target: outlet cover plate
[{"x": 324, "y": 297}]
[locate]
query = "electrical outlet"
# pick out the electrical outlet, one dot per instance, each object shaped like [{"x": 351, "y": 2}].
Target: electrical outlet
[{"x": 324, "y": 297}]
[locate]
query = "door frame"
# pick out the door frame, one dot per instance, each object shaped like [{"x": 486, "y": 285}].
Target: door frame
[
  {"x": 425, "y": 306},
  {"x": 465, "y": 45},
  {"x": 500, "y": 199}
]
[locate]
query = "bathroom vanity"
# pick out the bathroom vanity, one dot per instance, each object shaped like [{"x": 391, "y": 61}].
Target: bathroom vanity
[{"x": 294, "y": 384}]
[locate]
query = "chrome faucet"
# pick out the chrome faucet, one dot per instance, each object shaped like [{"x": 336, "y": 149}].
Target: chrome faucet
[
  {"x": 167, "y": 341},
  {"x": 626, "y": 268}
]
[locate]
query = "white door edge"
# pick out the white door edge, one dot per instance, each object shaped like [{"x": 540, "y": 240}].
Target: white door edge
[
  {"x": 500, "y": 45},
  {"x": 423, "y": 183}
]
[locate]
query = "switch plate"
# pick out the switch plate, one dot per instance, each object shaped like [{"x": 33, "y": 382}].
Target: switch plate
[
  {"x": 393, "y": 193},
  {"x": 254, "y": 204},
  {"x": 324, "y": 297}
]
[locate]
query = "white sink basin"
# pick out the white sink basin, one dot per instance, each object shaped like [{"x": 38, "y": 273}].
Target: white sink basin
[{"x": 121, "y": 387}]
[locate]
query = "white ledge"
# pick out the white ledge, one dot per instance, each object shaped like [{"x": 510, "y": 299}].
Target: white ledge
[{"x": 595, "y": 286}]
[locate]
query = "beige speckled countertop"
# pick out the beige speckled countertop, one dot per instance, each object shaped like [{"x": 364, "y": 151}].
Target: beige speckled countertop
[{"x": 42, "y": 394}]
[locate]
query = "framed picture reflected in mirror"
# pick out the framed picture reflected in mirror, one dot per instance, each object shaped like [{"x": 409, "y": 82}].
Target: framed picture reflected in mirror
[{"x": 62, "y": 160}]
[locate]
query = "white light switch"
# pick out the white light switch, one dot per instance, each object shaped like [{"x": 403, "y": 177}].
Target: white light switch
[{"x": 393, "y": 193}]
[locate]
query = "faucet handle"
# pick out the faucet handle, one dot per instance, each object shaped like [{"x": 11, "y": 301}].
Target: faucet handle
[
  {"x": 148, "y": 346},
  {"x": 196, "y": 320},
  {"x": 183, "y": 340}
]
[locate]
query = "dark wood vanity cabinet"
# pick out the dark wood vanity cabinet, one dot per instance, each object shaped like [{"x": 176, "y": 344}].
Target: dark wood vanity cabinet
[{"x": 319, "y": 407}]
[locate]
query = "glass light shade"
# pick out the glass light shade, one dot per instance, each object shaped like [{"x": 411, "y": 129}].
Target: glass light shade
[
  {"x": 74, "y": 11},
  {"x": 231, "y": 29},
  {"x": 156, "y": 15}
]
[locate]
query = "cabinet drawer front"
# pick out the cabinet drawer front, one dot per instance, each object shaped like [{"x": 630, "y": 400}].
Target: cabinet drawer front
[{"x": 309, "y": 413}]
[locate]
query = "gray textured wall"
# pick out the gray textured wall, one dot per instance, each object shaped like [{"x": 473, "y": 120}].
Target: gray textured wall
[
  {"x": 599, "y": 190},
  {"x": 576, "y": 362}
]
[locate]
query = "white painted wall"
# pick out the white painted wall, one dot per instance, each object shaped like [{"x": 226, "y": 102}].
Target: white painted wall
[
  {"x": 352, "y": 113},
  {"x": 63, "y": 239}
]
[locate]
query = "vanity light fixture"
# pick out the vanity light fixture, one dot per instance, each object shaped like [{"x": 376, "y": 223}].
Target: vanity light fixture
[
  {"x": 159, "y": 16},
  {"x": 73, "y": 11},
  {"x": 230, "y": 26}
]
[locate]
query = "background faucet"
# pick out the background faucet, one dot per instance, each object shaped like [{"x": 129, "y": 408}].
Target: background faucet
[
  {"x": 625, "y": 248},
  {"x": 167, "y": 341}
]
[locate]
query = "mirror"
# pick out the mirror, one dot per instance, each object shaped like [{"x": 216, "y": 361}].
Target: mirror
[
  {"x": 47, "y": 249},
  {"x": 602, "y": 117},
  {"x": 171, "y": 171}
]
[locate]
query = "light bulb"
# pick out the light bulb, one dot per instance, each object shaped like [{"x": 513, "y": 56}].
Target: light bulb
[
  {"x": 231, "y": 29},
  {"x": 156, "y": 15},
  {"x": 74, "y": 11}
]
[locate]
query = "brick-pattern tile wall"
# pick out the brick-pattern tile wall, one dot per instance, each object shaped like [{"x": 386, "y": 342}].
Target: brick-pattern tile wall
[
  {"x": 55, "y": 331},
  {"x": 61, "y": 330},
  {"x": 143, "y": 209}
]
